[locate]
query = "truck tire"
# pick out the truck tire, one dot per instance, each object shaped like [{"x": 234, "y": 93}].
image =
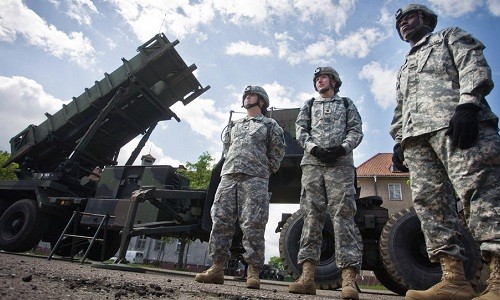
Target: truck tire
[
  {"x": 388, "y": 281},
  {"x": 404, "y": 255},
  {"x": 22, "y": 226},
  {"x": 328, "y": 275}
]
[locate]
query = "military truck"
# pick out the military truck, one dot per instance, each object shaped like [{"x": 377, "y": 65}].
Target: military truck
[
  {"x": 68, "y": 162},
  {"x": 71, "y": 192}
]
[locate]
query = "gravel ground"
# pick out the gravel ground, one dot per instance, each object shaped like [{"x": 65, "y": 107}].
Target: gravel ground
[{"x": 29, "y": 277}]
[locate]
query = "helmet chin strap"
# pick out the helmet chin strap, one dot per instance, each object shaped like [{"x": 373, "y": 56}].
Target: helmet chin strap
[
  {"x": 248, "y": 106},
  {"x": 415, "y": 31},
  {"x": 326, "y": 89}
]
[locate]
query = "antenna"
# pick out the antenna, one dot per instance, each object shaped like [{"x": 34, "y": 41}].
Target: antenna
[{"x": 164, "y": 16}]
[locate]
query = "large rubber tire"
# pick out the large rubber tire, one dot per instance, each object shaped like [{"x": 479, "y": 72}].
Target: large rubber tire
[
  {"x": 328, "y": 275},
  {"x": 404, "y": 255},
  {"x": 388, "y": 281},
  {"x": 22, "y": 226}
]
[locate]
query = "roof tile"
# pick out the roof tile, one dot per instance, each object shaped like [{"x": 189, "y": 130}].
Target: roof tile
[{"x": 379, "y": 165}]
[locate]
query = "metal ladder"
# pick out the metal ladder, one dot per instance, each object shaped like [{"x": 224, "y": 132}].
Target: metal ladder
[{"x": 75, "y": 219}]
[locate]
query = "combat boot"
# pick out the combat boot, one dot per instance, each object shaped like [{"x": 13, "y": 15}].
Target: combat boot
[
  {"x": 492, "y": 291},
  {"x": 305, "y": 283},
  {"x": 215, "y": 274},
  {"x": 349, "y": 288},
  {"x": 453, "y": 284},
  {"x": 253, "y": 281}
]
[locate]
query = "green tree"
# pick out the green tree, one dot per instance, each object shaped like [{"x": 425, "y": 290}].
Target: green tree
[
  {"x": 277, "y": 263},
  {"x": 183, "y": 245},
  {"x": 8, "y": 172},
  {"x": 199, "y": 172}
]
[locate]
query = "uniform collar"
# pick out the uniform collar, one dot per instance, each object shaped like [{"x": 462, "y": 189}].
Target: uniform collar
[
  {"x": 421, "y": 42},
  {"x": 335, "y": 97},
  {"x": 259, "y": 117}
]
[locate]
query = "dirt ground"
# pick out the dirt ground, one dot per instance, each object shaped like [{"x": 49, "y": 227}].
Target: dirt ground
[{"x": 29, "y": 277}]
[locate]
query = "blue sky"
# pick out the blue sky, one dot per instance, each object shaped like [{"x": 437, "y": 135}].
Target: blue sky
[{"x": 50, "y": 50}]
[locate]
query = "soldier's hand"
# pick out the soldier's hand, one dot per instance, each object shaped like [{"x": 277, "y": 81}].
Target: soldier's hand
[
  {"x": 319, "y": 152},
  {"x": 398, "y": 158},
  {"x": 334, "y": 153},
  {"x": 464, "y": 126}
]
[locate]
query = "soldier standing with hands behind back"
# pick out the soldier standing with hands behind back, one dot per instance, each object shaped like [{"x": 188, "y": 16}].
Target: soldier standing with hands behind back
[
  {"x": 447, "y": 137},
  {"x": 253, "y": 149},
  {"x": 328, "y": 128}
]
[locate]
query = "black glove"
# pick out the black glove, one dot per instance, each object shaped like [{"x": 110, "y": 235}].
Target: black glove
[
  {"x": 319, "y": 152},
  {"x": 334, "y": 153},
  {"x": 464, "y": 126},
  {"x": 398, "y": 158}
]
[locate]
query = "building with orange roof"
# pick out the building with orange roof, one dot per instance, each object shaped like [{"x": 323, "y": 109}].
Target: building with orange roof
[{"x": 379, "y": 177}]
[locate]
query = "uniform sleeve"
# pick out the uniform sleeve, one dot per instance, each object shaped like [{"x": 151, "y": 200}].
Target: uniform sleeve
[
  {"x": 303, "y": 128},
  {"x": 226, "y": 139},
  {"x": 397, "y": 121},
  {"x": 354, "y": 128},
  {"x": 474, "y": 73},
  {"x": 276, "y": 148}
]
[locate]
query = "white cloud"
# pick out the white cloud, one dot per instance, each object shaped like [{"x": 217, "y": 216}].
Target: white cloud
[
  {"x": 494, "y": 7},
  {"x": 319, "y": 52},
  {"x": 387, "y": 20},
  {"x": 382, "y": 83},
  {"x": 17, "y": 19},
  {"x": 360, "y": 43},
  {"x": 247, "y": 49},
  {"x": 279, "y": 96},
  {"x": 460, "y": 8},
  {"x": 283, "y": 36},
  {"x": 202, "y": 117},
  {"x": 262, "y": 12},
  {"x": 23, "y": 103},
  {"x": 177, "y": 17},
  {"x": 181, "y": 18},
  {"x": 149, "y": 148},
  {"x": 288, "y": 55},
  {"x": 357, "y": 44},
  {"x": 243, "y": 11},
  {"x": 333, "y": 13},
  {"x": 80, "y": 10},
  {"x": 456, "y": 8},
  {"x": 184, "y": 18}
]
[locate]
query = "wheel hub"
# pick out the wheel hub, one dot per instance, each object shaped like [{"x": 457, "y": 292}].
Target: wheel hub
[{"x": 16, "y": 223}]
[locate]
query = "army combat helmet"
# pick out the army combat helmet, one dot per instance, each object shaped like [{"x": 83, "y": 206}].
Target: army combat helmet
[
  {"x": 423, "y": 12},
  {"x": 330, "y": 72},
  {"x": 260, "y": 92}
]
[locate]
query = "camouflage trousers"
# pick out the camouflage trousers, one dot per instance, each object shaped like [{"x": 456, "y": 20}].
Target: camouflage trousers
[
  {"x": 329, "y": 191},
  {"x": 437, "y": 172},
  {"x": 246, "y": 199}
]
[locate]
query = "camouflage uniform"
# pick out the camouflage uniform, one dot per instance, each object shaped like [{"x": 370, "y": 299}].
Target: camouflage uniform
[
  {"x": 329, "y": 187},
  {"x": 254, "y": 148},
  {"x": 445, "y": 69}
]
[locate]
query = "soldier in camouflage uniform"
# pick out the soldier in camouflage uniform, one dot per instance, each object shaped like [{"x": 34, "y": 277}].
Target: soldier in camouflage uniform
[
  {"x": 328, "y": 128},
  {"x": 447, "y": 136},
  {"x": 253, "y": 148}
]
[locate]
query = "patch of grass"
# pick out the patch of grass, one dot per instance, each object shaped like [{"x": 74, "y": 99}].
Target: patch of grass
[{"x": 377, "y": 287}]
